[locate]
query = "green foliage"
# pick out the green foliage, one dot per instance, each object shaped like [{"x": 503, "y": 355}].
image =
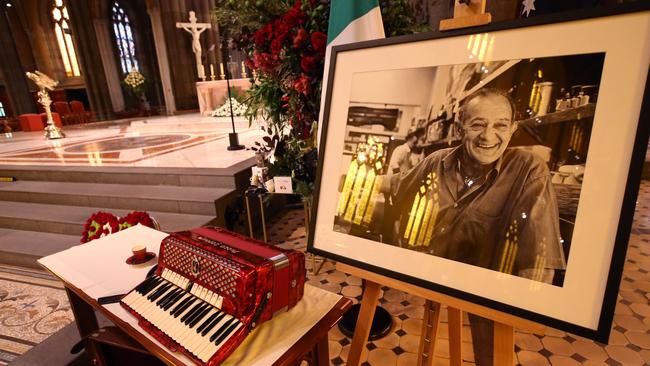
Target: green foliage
[{"x": 398, "y": 19}]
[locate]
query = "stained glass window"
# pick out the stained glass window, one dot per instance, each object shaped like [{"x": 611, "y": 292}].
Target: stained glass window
[
  {"x": 124, "y": 39},
  {"x": 64, "y": 38},
  {"x": 2, "y": 110}
]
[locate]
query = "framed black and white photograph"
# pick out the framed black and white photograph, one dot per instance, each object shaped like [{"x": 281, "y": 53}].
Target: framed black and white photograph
[{"x": 499, "y": 167}]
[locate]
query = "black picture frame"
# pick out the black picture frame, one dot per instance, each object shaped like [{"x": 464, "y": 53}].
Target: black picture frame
[{"x": 628, "y": 185}]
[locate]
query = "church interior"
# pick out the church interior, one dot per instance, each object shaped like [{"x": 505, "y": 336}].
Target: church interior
[{"x": 79, "y": 137}]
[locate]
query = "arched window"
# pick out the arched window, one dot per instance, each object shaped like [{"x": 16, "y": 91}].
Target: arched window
[
  {"x": 64, "y": 38},
  {"x": 124, "y": 38},
  {"x": 2, "y": 110}
]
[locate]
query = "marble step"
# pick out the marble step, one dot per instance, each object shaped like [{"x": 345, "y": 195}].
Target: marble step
[
  {"x": 23, "y": 248},
  {"x": 190, "y": 200},
  {"x": 192, "y": 177},
  {"x": 203, "y": 124},
  {"x": 69, "y": 220}
]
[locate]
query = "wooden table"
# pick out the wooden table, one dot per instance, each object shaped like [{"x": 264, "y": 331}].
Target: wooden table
[{"x": 97, "y": 269}]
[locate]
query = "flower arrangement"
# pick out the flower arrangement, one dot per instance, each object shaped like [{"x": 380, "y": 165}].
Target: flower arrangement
[
  {"x": 137, "y": 217},
  {"x": 285, "y": 42},
  {"x": 238, "y": 109},
  {"x": 135, "y": 82},
  {"x": 101, "y": 224}
]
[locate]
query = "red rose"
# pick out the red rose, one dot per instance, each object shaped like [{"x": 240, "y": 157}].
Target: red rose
[
  {"x": 302, "y": 84},
  {"x": 319, "y": 41},
  {"x": 300, "y": 37},
  {"x": 276, "y": 47},
  {"x": 281, "y": 30},
  {"x": 294, "y": 16},
  {"x": 250, "y": 64},
  {"x": 263, "y": 34},
  {"x": 263, "y": 61},
  {"x": 138, "y": 217},
  {"x": 99, "y": 224},
  {"x": 308, "y": 64}
]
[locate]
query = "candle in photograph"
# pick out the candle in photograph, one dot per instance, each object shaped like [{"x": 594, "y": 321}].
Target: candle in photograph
[
  {"x": 212, "y": 70},
  {"x": 221, "y": 68}
]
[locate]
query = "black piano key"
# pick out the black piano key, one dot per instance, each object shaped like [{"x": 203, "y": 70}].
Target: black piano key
[
  {"x": 162, "y": 294},
  {"x": 144, "y": 284},
  {"x": 212, "y": 324},
  {"x": 226, "y": 333},
  {"x": 200, "y": 316},
  {"x": 221, "y": 329},
  {"x": 190, "y": 315},
  {"x": 167, "y": 304},
  {"x": 178, "y": 307},
  {"x": 159, "y": 292},
  {"x": 172, "y": 297},
  {"x": 174, "y": 300},
  {"x": 207, "y": 321},
  {"x": 151, "y": 285},
  {"x": 184, "y": 307},
  {"x": 164, "y": 299},
  {"x": 153, "y": 289},
  {"x": 192, "y": 305}
]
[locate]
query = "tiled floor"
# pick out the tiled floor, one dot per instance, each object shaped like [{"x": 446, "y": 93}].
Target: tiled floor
[
  {"x": 180, "y": 141},
  {"x": 629, "y": 341}
]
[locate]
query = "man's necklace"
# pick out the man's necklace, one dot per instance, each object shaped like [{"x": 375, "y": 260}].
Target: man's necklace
[{"x": 469, "y": 180}]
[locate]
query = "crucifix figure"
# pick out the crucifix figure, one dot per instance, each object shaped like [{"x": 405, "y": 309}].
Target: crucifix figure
[{"x": 195, "y": 29}]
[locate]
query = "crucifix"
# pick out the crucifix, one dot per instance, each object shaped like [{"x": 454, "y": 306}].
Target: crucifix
[{"x": 195, "y": 29}]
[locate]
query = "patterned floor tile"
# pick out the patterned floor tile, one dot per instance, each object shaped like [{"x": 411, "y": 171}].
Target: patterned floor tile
[{"x": 629, "y": 341}]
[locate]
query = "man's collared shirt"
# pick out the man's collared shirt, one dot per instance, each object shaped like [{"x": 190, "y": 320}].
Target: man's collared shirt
[{"x": 508, "y": 223}]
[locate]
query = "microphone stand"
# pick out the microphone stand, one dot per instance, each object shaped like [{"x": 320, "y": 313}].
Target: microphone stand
[{"x": 233, "y": 137}]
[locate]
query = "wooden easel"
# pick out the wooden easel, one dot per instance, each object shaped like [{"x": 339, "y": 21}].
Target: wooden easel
[
  {"x": 504, "y": 324},
  {"x": 467, "y": 13}
]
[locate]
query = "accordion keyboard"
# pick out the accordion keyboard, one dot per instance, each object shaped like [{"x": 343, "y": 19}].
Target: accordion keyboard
[{"x": 188, "y": 313}]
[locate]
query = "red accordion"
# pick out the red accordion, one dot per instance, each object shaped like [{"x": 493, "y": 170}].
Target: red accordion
[{"x": 211, "y": 288}]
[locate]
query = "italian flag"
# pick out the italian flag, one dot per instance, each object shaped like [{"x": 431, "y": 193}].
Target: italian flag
[
  {"x": 350, "y": 21},
  {"x": 354, "y": 21}
]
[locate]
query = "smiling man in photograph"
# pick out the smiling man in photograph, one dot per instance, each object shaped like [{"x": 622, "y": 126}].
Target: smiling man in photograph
[{"x": 483, "y": 203}]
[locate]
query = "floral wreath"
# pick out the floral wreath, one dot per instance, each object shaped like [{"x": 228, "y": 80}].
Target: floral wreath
[{"x": 101, "y": 224}]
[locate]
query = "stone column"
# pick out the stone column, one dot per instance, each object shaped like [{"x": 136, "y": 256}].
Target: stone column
[
  {"x": 90, "y": 58},
  {"x": 112, "y": 73},
  {"x": 153, "y": 9},
  {"x": 39, "y": 41},
  {"x": 180, "y": 56},
  {"x": 12, "y": 70}
]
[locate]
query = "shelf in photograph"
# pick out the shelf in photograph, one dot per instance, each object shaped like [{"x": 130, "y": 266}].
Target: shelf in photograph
[{"x": 573, "y": 114}]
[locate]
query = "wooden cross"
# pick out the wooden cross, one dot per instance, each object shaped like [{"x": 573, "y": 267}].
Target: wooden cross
[{"x": 195, "y": 29}]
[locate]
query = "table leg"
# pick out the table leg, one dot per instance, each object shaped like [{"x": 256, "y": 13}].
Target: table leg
[
  {"x": 84, "y": 314},
  {"x": 248, "y": 215},
  {"x": 86, "y": 321},
  {"x": 263, "y": 218},
  {"x": 321, "y": 352}
]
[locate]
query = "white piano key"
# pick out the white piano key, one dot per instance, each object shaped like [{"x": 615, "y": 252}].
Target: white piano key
[
  {"x": 187, "y": 331},
  {"x": 194, "y": 339},
  {"x": 206, "y": 344}
]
